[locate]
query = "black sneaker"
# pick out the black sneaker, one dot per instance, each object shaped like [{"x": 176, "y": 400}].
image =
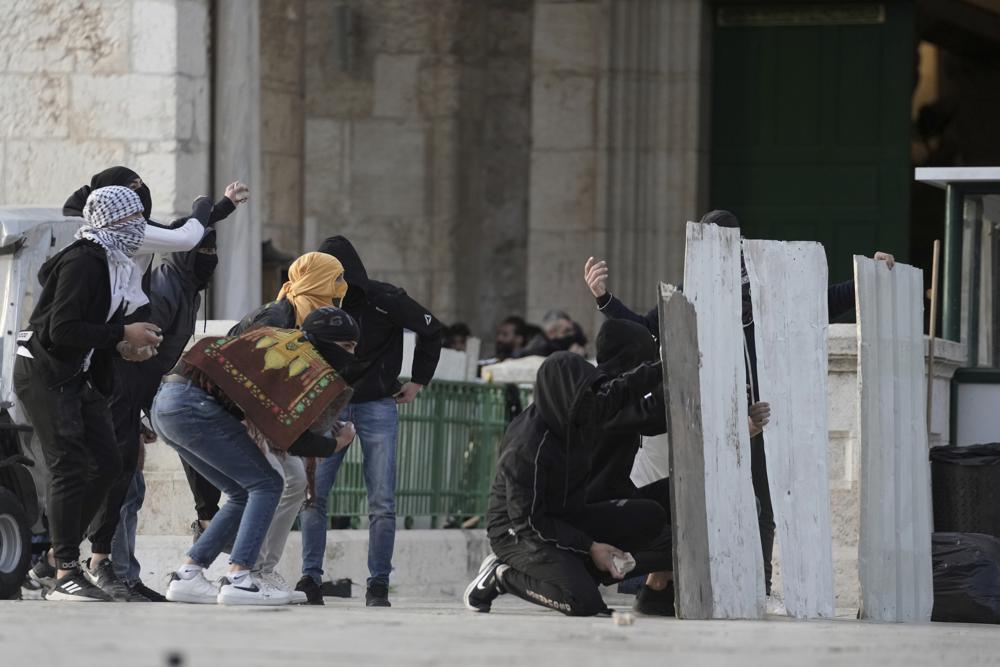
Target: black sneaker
[
  {"x": 655, "y": 603},
  {"x": 308, "y": 585},
  {"x": 484, "y": 589},
  {"x": 104, "y": 577},
  {"x": 31, "y": 590},
  {"x": 43, "y": 574},
  {"x": 144, "y": 593},
  {"x": 196, "y": 530},
  {"x": 75, "y": 587},
  {"x": 377, "y": 595}
]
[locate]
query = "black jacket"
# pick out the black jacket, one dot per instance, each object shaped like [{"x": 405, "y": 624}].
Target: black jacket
[
  {"x": 839, "y": 300},
  {"x": 546, "y": 453},
  {"x": 382, "y": 312},
  {"x": 621, "y": 346},
  {"x": 71, "y": 318},
  {"x": 278, "y": 314}
]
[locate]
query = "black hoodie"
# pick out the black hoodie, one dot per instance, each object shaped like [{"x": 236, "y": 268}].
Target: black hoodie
[
  {"x": 621, "y": 346},
  {"x": 546, "y": 453},
  {"x": 113, "y": 176},
  {"x": 382, "y": 311},
  {"x": 71, "y": 318}
]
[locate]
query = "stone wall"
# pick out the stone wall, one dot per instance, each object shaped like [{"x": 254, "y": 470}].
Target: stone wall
[
  {"x": 85, "y": 86},
  {"x": 568, "y": 64},
  {"x": 619, "y": 146},
  {"x": 417, "y": 146},
  {"x": 282, "y": 110}
]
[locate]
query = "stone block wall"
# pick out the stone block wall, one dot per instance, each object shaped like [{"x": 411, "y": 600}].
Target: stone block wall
[
  {"x": 619, "y": 141},
  {"x": 416, "y": 146},
  {"x": 567, "y": 69},
  {"x": 85, "y": 86},
  {"x": 282, "y": 117}
]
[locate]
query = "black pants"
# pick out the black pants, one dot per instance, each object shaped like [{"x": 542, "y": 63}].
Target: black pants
[
  {"x": 206, "y": 496},
  {"x": 765, "y": 514},
  {"x": 126, "y": 413},
  {"x": 73, "y": 424},
  {"x": 567, "y": 580}
]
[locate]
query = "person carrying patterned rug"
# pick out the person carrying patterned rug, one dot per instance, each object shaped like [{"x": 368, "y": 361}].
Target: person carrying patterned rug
[{"x": 230, "y": 400}]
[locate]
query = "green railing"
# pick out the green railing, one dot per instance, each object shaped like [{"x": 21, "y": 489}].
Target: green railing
[{"x": 445, "y": 456}]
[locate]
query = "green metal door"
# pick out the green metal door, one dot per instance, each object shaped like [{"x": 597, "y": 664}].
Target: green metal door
[{"x": 810, "y": 124}]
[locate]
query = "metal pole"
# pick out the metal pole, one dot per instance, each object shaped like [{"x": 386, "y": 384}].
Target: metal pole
[
  {"x": 975, "y": 278},
  {"x": 933, "y": 333},
  {"x": 952, "y": 297}
]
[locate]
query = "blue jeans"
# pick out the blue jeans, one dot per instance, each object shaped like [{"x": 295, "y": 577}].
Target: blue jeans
[
  {"x": 123, "y": 545},
  {"x": 377, "y": 424},
  {"x": 216, "y": 444}
]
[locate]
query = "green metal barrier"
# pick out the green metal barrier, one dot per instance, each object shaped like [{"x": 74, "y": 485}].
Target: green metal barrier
[{"x": 445, "y": 454}]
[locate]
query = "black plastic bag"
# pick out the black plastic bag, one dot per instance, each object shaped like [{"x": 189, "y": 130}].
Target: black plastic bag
[
  {"x": 966, "y": 578},
  {"x": 965, "y": 486}
]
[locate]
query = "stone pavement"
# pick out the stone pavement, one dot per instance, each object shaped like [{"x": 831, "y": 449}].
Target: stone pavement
[{"x": 439, "y": 632}]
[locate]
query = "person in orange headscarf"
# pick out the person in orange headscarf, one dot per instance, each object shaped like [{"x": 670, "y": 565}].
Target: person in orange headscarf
[{"x": 315, "y": 280}]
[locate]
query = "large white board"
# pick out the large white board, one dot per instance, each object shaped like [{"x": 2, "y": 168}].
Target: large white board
[
  {"x": 688, "y": 509},
  {"x": 712, "y": 283},
  {"x": 788, "y": 283},
  {"x": 894, "y": 549}
]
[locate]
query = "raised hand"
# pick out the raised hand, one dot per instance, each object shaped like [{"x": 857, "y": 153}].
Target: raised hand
[{"x": 596, "y": 274}]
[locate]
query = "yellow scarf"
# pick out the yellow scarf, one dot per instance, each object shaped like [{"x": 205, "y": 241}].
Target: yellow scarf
[{"x": 312, "y": 283}]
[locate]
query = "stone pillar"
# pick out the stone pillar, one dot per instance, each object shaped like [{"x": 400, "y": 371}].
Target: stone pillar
[
  {"x": 656, "y": 134},
  {"x": 619, "y": 129},
  {"x": 86, "y": 86},
  {"x": 237, "y": 154},
  {"x": 282, "y": 50},
  {"x": 563, "y": 223}
]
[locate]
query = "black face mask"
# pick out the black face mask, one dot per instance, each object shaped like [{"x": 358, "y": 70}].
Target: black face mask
[{"x": 204, "y": 267}]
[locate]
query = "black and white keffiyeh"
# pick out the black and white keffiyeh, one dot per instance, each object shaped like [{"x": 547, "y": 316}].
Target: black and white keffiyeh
[{"x": 115, "y": 222}]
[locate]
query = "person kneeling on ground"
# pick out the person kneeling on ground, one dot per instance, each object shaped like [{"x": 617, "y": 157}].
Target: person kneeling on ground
[
  {"x": 551, "y": 547},
  {"x": 228, "y": 401}
]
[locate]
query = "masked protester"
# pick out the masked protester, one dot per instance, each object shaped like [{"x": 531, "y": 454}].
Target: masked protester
[
  {"x": 174, "y": 286},
  {"x": 382, "y": 312},
  {"x": 228, "y": 403},
  {"x": 64, "y": 374},
  {"x": 550, "y": 546},
  {"x": 314, "y": 280},
  {"x": 175, "y": 299}
]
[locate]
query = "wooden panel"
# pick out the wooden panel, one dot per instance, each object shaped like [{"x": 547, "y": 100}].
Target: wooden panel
[
  {"x": 712, "y": 284},
  {"x": 688, "y": 514},
  {"x": 788, "y": 282},
  {"x": 894, "y": 550}
]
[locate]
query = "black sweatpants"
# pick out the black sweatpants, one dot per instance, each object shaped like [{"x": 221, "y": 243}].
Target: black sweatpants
[
  {"x": 765, "y": 514},
  {"x": 126, "y": 414},
  {"x": 567, "y": 580},
  {"x": 206, "y": 496},
  {"x": 73, "y": 424}
]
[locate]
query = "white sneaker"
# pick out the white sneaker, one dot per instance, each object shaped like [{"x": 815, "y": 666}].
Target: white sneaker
[
  {"x": 196, "y": 590},
  {"x": 278, "y": 581},
  {"x": 252, "y": 591}
]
